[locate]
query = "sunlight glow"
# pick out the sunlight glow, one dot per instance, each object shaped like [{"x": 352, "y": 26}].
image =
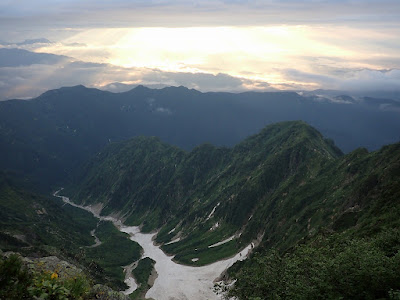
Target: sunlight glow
[{"x": 261, "y": 53}]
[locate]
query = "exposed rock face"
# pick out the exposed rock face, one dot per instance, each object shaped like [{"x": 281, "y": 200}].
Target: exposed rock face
[{"x": 102, "y": 292}]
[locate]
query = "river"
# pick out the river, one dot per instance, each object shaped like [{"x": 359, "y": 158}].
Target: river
[{"x": 174, "y": 281}]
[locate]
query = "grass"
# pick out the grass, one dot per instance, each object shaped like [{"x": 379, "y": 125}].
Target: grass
[
  {"x": 42, "y": 225},
  {"x": 207, "y": 255},
  {"x": 116, "y": 250},
  {"x": 196, "y": 245},
  {"x": 142, "y": 274}
]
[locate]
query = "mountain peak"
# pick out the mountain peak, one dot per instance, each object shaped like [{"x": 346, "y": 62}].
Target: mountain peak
[
  {"x": 141, "y": 87},
  {"x": 180, "y": 89},
  {"x": 75, "y": 87},
  {"x": 138, "y": 89},
  {"x": 77, "y": 90},
  {"x": 289, "y": 134}
]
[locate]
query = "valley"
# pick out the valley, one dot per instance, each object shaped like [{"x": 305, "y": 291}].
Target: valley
[
  {"x": 193, "y": 216},
  {"x": 172, "y": 280},
  {"x": 200, "y": 150}
]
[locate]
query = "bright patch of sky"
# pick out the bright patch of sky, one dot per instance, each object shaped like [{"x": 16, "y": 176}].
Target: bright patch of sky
[{"x": 263, "y": 44}]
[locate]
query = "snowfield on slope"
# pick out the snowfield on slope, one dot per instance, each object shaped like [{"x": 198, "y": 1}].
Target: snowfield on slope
[
  {"x": 177, "y": 281},
  {"x": 174, "y": 281}
]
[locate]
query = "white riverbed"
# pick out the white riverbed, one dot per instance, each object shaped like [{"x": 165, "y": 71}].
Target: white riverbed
[{"x": 174, "y": 281}]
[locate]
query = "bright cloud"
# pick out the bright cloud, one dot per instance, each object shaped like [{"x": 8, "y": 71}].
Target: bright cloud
[
  {"x": 260, "y": 44},
  {"x": 253, "y": 53}
]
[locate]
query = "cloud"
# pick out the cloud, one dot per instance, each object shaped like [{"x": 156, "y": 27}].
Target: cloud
[
  {"x": 32, "y": 80},
  {"x": 211, "y": 45},
  {"x": 19, "y": 57},
  {"x": 27, "y": 42},
  {"x": 163, "y": 110},
  {"x": 128, "y": 13},
  {"x": 370, "y": 80},
  {"x": 350, "y": 79},
  {"x": 75, "y": 44},
  {"x": 41, "y": 73}
]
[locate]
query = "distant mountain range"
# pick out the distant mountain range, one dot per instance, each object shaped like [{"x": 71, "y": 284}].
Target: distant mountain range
[
  {"x": 25, "y": 73},
  {"x": 48, "y": 137}
]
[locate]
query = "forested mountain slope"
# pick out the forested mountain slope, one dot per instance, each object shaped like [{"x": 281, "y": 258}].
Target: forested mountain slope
[
  {"x": 309, "y": 208},
  {"x": 352, "y": 249}
]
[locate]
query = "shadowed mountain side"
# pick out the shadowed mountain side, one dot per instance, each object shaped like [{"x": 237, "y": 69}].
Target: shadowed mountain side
[
  {"x": 49, "y": 136},
  {"x": 36, "y": 225}
]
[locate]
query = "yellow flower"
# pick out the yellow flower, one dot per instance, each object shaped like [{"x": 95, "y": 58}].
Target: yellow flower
[{"x": 54, "y": 276}]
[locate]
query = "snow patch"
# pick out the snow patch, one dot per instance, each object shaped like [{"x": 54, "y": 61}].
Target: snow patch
[
  {"x": 215, "y": 226},
  {"x": 97, "y": 241},
  {"x": 129, "y": 280},
  {"x": 222, "y": 242},
  {"x": 213, "y": 211},
  {"x": 175, "y": 281},
  {"x": 171, "y": 231},
  {"x": 174, "y": 241}
]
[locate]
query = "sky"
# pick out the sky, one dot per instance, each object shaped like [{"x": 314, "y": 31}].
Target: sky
[{"x": 207, "y": 45}]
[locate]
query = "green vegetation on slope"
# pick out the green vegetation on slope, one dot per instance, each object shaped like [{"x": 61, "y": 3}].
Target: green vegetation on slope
[
  {"x": 313, "y": 210},
  {"x": 30, "y": 279},
  {"x": 333, "y": 266},
  {"x": 349, "y": 220},
  {"x": 115, "y": 251},
  {"x": 142, "y": 274},
  {"x": 324, "y": 221},
  {"x": 206, "y": 195},
  {"x": 33, "y": 224}
]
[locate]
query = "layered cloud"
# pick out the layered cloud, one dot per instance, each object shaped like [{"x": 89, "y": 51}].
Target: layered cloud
[
  {"x": 180, "y": 13},
  {"x": 350, "y": 80},
  {"x": 208, "y": 45},
  {"x": 29, "y": 80}
]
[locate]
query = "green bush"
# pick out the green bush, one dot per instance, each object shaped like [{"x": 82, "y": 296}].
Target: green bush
[
  {"x": 14, "y": 278},
  {"x": 17, "y": 282},
  {"x": 333, "y": 267}
]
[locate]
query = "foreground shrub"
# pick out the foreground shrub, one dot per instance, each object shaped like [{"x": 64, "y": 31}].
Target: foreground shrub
[
  {"x": 18, "y": 282},
  {"x": 14, "y": 278},
  {"x": 334, "y": 267}
]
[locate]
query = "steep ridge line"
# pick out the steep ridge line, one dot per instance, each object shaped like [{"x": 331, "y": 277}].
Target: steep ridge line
[{"x": 200, "y": 198}]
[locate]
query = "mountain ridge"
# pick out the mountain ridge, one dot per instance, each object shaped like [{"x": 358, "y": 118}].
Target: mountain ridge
[
  {"x": 156, "y": 185},
  {"x": 303, "y": 205},
  {"x": 277, "y": 187},
  {"x": 62, "y": 128}
]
